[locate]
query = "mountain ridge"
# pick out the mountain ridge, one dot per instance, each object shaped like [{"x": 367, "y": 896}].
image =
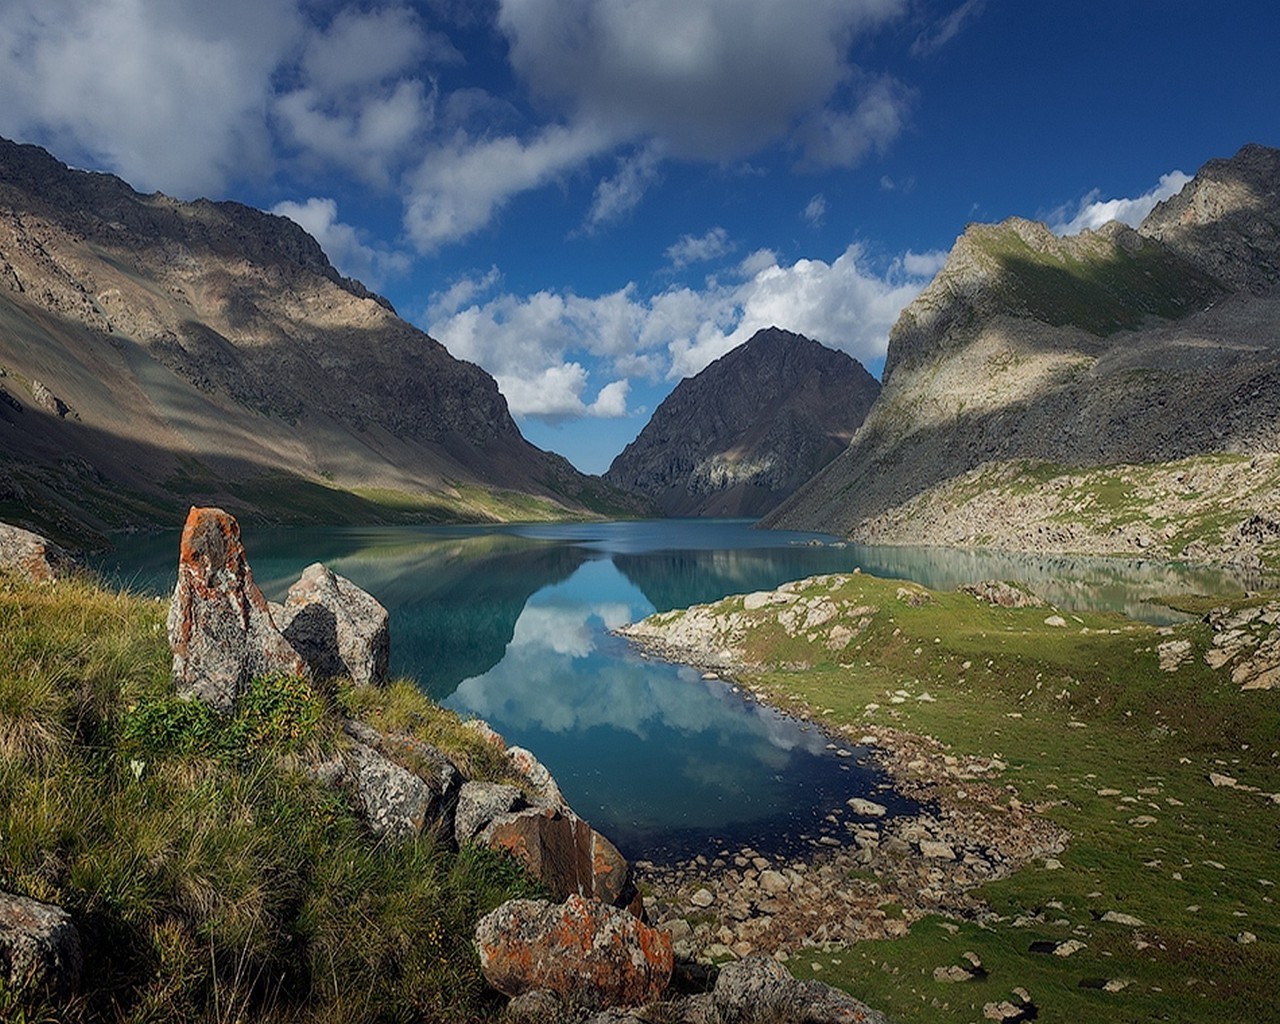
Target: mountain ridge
[
  {"x": 1115, "y": 347},
  {"x": 157, "y": 352}
]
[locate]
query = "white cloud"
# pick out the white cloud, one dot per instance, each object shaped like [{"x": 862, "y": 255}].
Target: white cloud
[
  {"x": 372, "y": 265},
  {"x": 360, "y": 48},
  {"x": 815, "y": 210},
  {"x": 617, "y": 196},
  {"x": 168, "y": 93},
  {"x": 842, "y": 137},
  {"x": 942, "y": 32},
  {"x": 460, "y": 185},
  {"x": 699, "y": 248},
  {"x": 545, "y": 348},
  {"x": 1092, "y": 213}
]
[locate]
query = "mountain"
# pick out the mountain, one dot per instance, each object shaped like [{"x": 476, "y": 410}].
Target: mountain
[
  {"x": 740, "y": 436},
  {"x": 1116, "y": 391},
  {"x": 155, "y": 353}
]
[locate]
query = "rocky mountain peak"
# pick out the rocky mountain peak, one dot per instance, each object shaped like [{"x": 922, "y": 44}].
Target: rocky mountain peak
[
  {"x": 1226, "y": 220},
  {"x": 746, "y": 431}
]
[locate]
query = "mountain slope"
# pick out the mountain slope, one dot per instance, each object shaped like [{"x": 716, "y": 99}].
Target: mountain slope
[
  {"x": 1031, "y": 361},
  {"x": 156, "y": 352},
  {"x": 740, "y": 436}
]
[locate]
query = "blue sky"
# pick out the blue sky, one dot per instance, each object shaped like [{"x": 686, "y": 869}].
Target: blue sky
[{"x": 593, "y": 198}]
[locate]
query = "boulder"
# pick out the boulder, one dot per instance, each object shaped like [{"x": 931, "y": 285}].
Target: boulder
[
  {"x": 39, "y": 946},
  {"x": 31, "y": 556},
  {"x": 542, "y": 783},
  {"x": 759, "y": 990},
  {"x": 1002, "y": 594},
  {"x": 564, "y": 853},
  {"x": 220, "y": 628},
  {"x": 401, "y": 784},
  {"x": 339, "y": 629},
  {"x": 479, "y": 803},
  {"x": 584, "y": 951}
]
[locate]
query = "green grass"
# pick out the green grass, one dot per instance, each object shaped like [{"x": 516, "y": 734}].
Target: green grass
[
  {"x": 211, "y": 876},
  {"x": 1071, "y": 713}
]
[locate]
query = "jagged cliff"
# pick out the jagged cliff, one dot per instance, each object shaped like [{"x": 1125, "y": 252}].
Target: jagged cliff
[
  {"x": 1033, "y": 362},
  {"x": 740, "y": 436},
  {"x": 155, "y": 352}
]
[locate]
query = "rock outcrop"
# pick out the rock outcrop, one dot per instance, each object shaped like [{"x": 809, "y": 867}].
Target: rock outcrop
[
  {"x": 39, "y": 947},
  {"x": 31, "y": 556},
  {"x": 586, "y": 952},
  {"x": 740, "y": 436},
  {"x": 759, "y": 990},
  {"x": 220, "y": 628},
  {"x": 1032, "y": 363},
  {"x": 255, "y": 376},
  {"x": 337, "y": 628}
]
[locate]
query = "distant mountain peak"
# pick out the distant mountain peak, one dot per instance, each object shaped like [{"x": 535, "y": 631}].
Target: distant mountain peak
[{"x": 738, "y": 437}]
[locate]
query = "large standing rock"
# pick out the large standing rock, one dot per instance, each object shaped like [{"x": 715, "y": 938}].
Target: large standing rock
[
  {"x": 564, "y": 853},
  {"x": 542, "y": 783},
  {"x": 39, "y": 946},
  {"x": 587, "y": 953},
  {"x": 339, "y": 629},
  {"x": 401, "y": 784},
  {"x": 31, "y": 556},
  {"x": 758, "y": 990},
  {"x": 220, "y": 629}
]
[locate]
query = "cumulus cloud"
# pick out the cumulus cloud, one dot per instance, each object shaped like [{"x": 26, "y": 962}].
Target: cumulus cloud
[
  {"x": 539, "y": 347},
  {"x": 373, "y": 265},
  {"x": 699, "y": 248},
  {"x": 843, "y": 136},
  {"x": 937, "y": 35},
  {"x": 1092, "y": 212},
  {"x": 168, "y": 93}
]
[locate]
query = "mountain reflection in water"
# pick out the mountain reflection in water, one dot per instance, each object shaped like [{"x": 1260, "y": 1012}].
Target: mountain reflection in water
[{"x": 513, "y": 624}]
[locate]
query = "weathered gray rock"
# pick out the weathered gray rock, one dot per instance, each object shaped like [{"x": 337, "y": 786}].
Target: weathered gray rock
[
  {"x": 759, "y": 990},
  {"x": 563, "y": 852},
  {"x": 1005, "y": 595},
  {"x": 39, "y": 946},
  {"x": 584, "y": 951},
  {"x": 31, "y": 556},
  {"x": 339, "y": 629},
  {"x": 401, "y": 784},
  {"x": 220, "y": 628},
  {"x": 542, "y": 783},
  {"x": 479, "y": 803}
]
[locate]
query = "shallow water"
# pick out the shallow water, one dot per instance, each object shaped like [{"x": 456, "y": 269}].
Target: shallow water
[{"x": 513, "y": 624}]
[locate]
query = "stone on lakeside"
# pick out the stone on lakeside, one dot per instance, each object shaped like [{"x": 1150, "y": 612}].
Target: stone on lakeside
[
  {"x": 565, "y": 853},
  {"x": 479, "y": 803},
  {"x": 220, "y": 628},
  {"x": 339, "y": 629},
  {"x": 759, "y": 990},
  {"x": 31, "y": 556},
  {"x": 39, "y": 946},
  {"x": 545, "y": 789},
  {"x": 585, "y": 951},
  {"x": 401, "y": 784}
]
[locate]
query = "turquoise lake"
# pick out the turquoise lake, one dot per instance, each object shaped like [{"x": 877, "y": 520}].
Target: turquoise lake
[{"x": 512, "y": 624}]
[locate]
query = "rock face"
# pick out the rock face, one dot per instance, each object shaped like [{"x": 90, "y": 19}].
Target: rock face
[
  {"x": 220, "y": 628},
  {"x": 31, "y": 556},
  {"x": 563, "y": 852},
  {"x": 256, "y": 377},
  {"x": 584, "y": 951},
  {"x": 1031, "y": 361},
  {"x": 337, "y": 628},
  {"x": 748, "y": 430},
  {"x": 39, "y": 946}
]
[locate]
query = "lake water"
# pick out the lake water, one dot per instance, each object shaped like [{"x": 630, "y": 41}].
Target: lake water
[{"x": 512, "y": 624}]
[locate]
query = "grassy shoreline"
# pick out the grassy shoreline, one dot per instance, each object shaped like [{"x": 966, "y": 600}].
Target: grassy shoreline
[{"x": 1116, "y": 750}]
